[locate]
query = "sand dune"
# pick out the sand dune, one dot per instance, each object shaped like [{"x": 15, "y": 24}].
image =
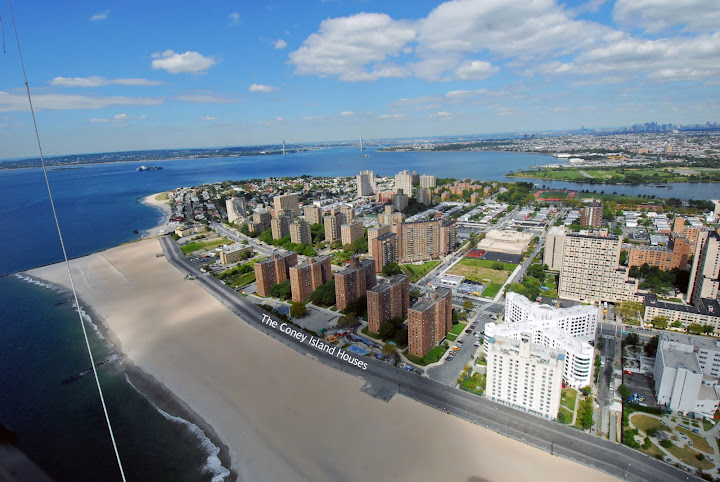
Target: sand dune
[{"x": 284, "y": 416}]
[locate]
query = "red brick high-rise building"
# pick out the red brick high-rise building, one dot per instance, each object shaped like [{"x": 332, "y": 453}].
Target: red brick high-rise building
[
  {"x": 386, "y": 300},
  {"x": 306, "y": 277},
  {"x": 429, "y": 320},
  {"x": 273, "y": 270},
  {"x": 353, "y": 282}
]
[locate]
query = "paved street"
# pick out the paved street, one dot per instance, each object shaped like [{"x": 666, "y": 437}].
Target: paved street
[{"x": 603, "y": 455}]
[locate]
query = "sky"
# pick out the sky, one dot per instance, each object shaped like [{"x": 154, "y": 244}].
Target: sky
[{"x": 122, "y": 75}]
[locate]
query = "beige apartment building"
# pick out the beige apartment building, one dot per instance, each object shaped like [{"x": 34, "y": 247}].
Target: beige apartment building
[
  {"x": 287, "y": 202},
  {"x": 313, "y": 214},
  {"x": 351, "y": 232},
  {"x": 300, "y": 233}
]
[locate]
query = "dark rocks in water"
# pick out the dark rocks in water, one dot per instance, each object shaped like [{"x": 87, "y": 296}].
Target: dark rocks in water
[{"x": 136, "y": 231}]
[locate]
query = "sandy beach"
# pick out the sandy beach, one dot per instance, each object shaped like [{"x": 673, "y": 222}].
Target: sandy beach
[
  {"x": 282, "y": 415},
  {"x": 164, "y": 225}
]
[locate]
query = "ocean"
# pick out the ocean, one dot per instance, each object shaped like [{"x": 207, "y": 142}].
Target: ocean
[{"x": 61, "y": 426}]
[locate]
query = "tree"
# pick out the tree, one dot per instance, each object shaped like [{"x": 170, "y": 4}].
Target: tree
[
  {"x": 401, "y": 337},
  {"x": 357, "y": 307},
  {"x": 498, "y": 266},
  {"x": 281, "y": 290},
  {"x": 624, "y": 391},
  {"x": 389, "y": 349},
  {"x": 391, "y": 269},
  {"x": 632, "y": 339},
  {"x": 298, "y": 309},
  {"x": 324, "y": 295},
  {"x": 467, "y": 304},
  {"x": 707, "y": 329},
  {"x": 629, "y": 310},
  {"x": 676, "y": 324},
  {"x": 536, "y": 271},
  {"x": 660, "y": 322},
  {"x": 387, "y": 331},
  {"x": 695, "y": 328},
  {"x": 651, "y": 346},
  {"x": 346, "y": 321}
]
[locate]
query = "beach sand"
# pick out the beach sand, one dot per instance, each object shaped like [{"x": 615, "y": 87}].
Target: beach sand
[
  {"x": 282, "y": 415},
  {"x": 164, "y": 226}
]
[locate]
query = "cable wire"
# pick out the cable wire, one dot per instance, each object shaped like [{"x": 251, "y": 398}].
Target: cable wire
[{"x": 62, "y": 244}]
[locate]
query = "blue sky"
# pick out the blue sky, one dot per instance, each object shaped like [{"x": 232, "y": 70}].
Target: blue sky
[{"x": 121, "y": 75}]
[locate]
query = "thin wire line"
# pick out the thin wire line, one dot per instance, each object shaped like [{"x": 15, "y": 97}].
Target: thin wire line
[{"x": 62, "y": 244}]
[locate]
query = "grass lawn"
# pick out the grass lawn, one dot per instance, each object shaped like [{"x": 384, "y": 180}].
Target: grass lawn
[
  {"x": 369, "y": 333},
  {"x": 549, "y": 283},
  {"x": 451, "y": 337},
  {"x": 415, "y": 272},
  {"x": 688, "y": 455},
  {"x": 653, "y": 451},
  {"x": 568, "y": 415},
  {"x": 432, "y": 356},
  {"x": 707, "y": 425},
  {"x": 646, "y": 422},
  {"x": 457, "y": 329},
  {"x": 492, "y": 289},
  {"x": 553, "y": 195},
  {"x": 480, "y": 270},
  {"x": 699, "y": 442},
  {"x": 475, "y": 383},
  {"x": 206, "y": 245},
  {"x": 162, "y": 196},
  {"x": 568, "y": 398}
]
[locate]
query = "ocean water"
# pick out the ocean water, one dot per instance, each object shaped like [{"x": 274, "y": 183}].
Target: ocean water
[{"x": 61, "y": 426}]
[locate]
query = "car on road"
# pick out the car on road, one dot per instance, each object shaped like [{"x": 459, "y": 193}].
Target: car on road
[
  {"x": 468, "y": 330},
  {"x": 477, "y": 343},
  {"x": 459, "y": 342}
]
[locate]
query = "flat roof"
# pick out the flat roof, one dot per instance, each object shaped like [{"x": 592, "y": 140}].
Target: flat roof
[{"x": 680, "y": 359}]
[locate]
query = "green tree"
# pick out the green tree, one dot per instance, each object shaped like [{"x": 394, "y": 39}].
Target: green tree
[
  {"x": 467, "y": 304},
  {"x": 676, "y": 324},
  {"x": 281, "y": 290},
  {"x": 624, "y": 392},
  {"x": 536, "y": 271},
  {"x": 401, "y": 337},
  {"x": 298, "y": 309},
  {"x": 632, "y": 339},
  {"x": 390, "y": 350},
  {"x": 324, "y": 295},
  {"x": 651, "y": 346},
  {"x": 497, "y": 265},
  {"x": 357, "y": 307},
  {"x": 387, "y": 331},
  {"x": 346, "y": 321},
  {"x": 708, "y": 329},
  {"x": 695, "y": 328},
  {"x": 391, "y": 269},
  {"x": 660, "y": 322}
]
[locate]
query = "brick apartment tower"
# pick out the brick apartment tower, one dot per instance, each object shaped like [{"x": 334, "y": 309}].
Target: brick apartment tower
[
  {"x": 353, "y": 282},
  {"x": 591, "y": 214},
  {"x": 351, "y": 232},
  {"x": 306, "y": 277},
  {"x": 429, "y": 320},
  {"x": 386, "y": 300},
  {"x": 273, "y": 270}
]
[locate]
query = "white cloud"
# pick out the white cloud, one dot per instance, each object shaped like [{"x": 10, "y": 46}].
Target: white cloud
[
  {"x": 96, "y": 81},
  {"x": 278, "y": 119},
  {"x": 355, "y": 48},
  {"x": 18, "y": 102},
  {"x": 280, "y": 44},
  {"x": 658, "y": 15},
  {"x": 475, "y": 70},
  {"x": 176, "y": 63},
  {"x": 205, "y": 99},
  {"x": 97, "y": 120},
  {"x": 347, "y": 113},
  {"x": 208, "y": 118},
  {"x": 504, "y": 112},
  {"x": 442, "y": 115},
  {"x": 120, "y": 117},
  {"x": 100, "y": 16},
  {"x": 265, "y": 89},
  {"x": 397, "y": 117},
  {"x": 234, "y": 18},
  {"x": 311, "y": 118}
]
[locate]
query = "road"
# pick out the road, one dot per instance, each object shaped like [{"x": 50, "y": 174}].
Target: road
[
  {"x": 257, "y": 246},
  {"x": 609, "y": 457}
]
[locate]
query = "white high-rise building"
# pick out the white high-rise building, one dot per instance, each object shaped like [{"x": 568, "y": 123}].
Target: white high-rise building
[
  {"x": 365, "y": 183},
  {"x": 236, "y": 208},
  {"x": 524, "y": 376},
  {"x": 705, "y": 273},
  {"x": 404, "y": 180},
  {"x": 427, "y": 181},
  {"x": 564, "y": 329}
]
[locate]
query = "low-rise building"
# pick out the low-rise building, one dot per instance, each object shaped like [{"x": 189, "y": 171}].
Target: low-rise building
[
  {"x": 183, "y": 231},
  {"x": 234, "y": 253},
  {"x": 705, "y": 312}
]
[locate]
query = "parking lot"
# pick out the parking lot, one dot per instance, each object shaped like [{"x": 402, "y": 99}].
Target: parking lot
[{"x": 643, "y": 385}]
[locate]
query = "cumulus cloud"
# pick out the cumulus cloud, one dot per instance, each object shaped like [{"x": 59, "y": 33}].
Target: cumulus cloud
[
  {"x": 280, "y": 44},
  {"x": 18, "y": 102},
  {"x": 120, "y": 117},
  {"x": 176, "y": 63},
  {"x": 442, "y": 115},
  {"x": 265, "y": 89},
  {"x": 100, "y": 16},
  {"x": 658, "y": 15},
  {"x": 347, "y": 113},
  {"x": 208, "y": 118},
  {"x": 96, "y": 81},
  {"x": 475, "y": 70},
  {"x": 397, "y": 117},
  {"x": 355, "y": 48},
  {"x": 234, "y": 18}
]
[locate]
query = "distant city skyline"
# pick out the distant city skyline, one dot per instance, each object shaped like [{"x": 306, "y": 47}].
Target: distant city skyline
[{"x": 120, "y": 77}]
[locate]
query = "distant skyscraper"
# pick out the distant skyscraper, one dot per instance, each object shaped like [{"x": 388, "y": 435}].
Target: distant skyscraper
[
  {"x": 287, "y": 201},
  {"x": 404, "y": 180},
  {"x": 260, "y": 222},
  {"x": 428, "y": 181},
  {"x": 235, "y": 208},
  {"x": 365, "y": 183},
  {"x": 280, "y": 226},
  {"x": 386, "y": 300},
  {"x": 313, "y": 214},
  {"x": 425, "y": 240},
  {"x": 400, "y": 200},
  {"x": 300, "y": 233},
  {"x": 333, "y": 222},
  {"x": 423, "y": 196}
]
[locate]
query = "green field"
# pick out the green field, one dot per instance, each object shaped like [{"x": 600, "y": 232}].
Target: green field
[
  {"x": 162, "y": 196},
  {"x": 647, "y": 422},
  {"x": 491, "y": 290},
  {"x": 689, "y": 456},
  {"x": 451, "y": 337},
  {"x": 415, "y": 272},
  {"x": 698, "y": 442},
  {"x": 554, "y": 195},
  {"x": 568, "y": 399},
  {"x": 475, "y": 383},
  {"x": 617, "y": 175},
  {"x": 204, "y": 245},
  {"x": 457, "y": 329},
  {"x": 481, "y": 270},
  {"x": 432, "y": 356}
]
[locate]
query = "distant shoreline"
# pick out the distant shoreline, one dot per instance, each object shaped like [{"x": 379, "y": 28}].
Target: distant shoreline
[{"x": 164, "y": 208}]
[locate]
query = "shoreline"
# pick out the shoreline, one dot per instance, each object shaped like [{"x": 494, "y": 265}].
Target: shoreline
[
  {"x": 153, "y": 390},
  {"x": 164, "y": 226},
  {"x": 275, "y": 409}
]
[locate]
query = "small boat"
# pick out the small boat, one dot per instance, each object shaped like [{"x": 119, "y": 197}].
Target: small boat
[{"x": 149, "y": 168}]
